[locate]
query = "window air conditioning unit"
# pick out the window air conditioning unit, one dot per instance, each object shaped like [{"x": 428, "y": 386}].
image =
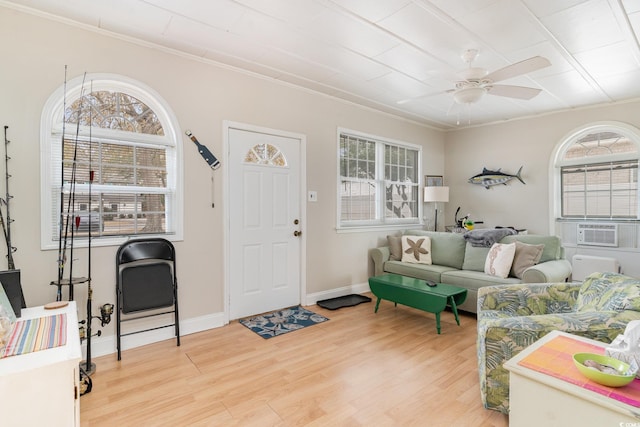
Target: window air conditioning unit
[{"x": 598, "y": 234}]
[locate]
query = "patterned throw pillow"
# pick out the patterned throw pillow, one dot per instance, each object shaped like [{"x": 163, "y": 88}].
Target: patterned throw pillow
[
  {"x": 526, "y": 256},
  {"x": 416, "y": 249},
  {"x": 499, "y": 259}
]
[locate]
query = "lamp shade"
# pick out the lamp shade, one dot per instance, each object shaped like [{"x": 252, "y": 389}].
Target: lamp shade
[{"x": 436, "y": 194}]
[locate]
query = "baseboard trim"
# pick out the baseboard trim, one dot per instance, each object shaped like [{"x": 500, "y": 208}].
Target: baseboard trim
[
  {"x": 357, "y": 288},
  {"x": 102, "y": 346}
]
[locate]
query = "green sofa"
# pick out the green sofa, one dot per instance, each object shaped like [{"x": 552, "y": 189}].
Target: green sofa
[
  {"x": 456, "y": 262},
  {"x": 510, "y": 318}
]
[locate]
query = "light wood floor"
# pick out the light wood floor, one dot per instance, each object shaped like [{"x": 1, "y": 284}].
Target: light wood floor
[{"x": 358, "y": 369}]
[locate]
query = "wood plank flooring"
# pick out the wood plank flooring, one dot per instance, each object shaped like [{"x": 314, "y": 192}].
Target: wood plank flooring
[{"x": 357, "y": 369}]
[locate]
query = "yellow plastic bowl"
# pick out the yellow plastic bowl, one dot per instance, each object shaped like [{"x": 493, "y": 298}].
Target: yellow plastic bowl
[{"x": 593, "y": 374}]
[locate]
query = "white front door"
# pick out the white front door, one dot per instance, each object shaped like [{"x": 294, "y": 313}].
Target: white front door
[{"x": 264, "y": 222}]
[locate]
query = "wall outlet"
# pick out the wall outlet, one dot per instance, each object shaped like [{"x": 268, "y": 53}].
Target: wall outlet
[{"x": 312, "y": 196}]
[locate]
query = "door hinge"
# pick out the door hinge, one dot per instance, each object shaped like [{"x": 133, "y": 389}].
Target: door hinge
[{"x": 75, "y": 392}]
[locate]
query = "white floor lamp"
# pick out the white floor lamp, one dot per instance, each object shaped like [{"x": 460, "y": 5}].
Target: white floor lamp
[{"x": 436, "y": 194}]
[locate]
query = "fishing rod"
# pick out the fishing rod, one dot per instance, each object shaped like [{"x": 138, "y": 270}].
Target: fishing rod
[
  {"x": 90, "y": 367},
  {"x": 71, "y": 206},
  {"x": 69, "y": 218},
  {"x": 7, "y": 228},
  {"x": 61, "y": 259},
  {"x": 4, "y": 229},
  {"x": 106, "y": 310}
]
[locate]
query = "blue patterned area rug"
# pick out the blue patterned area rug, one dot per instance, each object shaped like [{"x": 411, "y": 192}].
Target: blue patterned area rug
[{"x": 280, "y": 322}]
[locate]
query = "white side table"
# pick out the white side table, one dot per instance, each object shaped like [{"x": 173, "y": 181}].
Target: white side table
[
  {"x": 538, "y": 399},
  {"x": 42, "y": 388}
]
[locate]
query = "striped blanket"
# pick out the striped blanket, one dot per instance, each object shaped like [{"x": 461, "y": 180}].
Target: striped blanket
[{"x": 37, "y": 334}]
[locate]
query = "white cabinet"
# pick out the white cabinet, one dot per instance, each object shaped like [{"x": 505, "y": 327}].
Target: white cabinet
[
  {"x": 537, "y": 399},
  {"x": 42, "y": 388}
]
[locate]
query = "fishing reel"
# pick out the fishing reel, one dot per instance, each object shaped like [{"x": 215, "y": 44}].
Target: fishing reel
[
  {"x": 83, "y": 331},
  {"x": 106, "y": 310}
]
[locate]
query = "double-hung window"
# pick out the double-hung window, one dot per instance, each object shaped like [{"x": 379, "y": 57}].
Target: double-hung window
[
  {"x": 378, "y": 181},
  {"x": 598, "y": 170},
  {"x": 111, "y": 164}
]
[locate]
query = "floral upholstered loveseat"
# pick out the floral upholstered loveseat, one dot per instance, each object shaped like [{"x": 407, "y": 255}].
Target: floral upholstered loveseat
[{"x": 512, "y": 317}]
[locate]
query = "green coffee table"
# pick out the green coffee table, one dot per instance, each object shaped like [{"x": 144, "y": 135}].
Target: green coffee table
[{"x": 417, "y": 294}]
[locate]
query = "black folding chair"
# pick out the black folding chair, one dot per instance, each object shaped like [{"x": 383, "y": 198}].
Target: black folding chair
[{"x": 146, "y": 280}]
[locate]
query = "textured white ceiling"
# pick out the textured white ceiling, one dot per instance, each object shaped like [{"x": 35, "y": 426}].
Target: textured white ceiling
[{"x": 379, "y": 52}]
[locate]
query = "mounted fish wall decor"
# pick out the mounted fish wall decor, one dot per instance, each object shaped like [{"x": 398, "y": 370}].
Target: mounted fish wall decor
[{"x": 489, "y": 178}]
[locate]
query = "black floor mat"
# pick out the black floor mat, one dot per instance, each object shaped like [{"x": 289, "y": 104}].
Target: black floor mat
[{"x": 344, "y": 301}]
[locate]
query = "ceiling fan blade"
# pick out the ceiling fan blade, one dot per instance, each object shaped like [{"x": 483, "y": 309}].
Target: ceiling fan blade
[
  {"x": 519, "y": 68},
  {"x": 518, "y": 92},
  {"x": 426, "y": 95}
]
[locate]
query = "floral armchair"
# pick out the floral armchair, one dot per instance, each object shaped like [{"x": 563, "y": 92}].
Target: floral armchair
[{"x": 512, "y": 317}]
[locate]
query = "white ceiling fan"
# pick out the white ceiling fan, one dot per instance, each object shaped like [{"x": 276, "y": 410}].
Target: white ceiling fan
[{"x": 475, "y": 82}]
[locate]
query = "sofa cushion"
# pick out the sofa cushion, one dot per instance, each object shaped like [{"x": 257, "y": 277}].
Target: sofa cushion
[
  {"x": 416, "y": 249},
  {"x": 499, "y": 259},
  {"x": 419, "y": 271},
  {"x": 446, "y": 248},
  {"x": 552, "y": 245},
  {"x": 395, "y": 247},
  {"x": 474, "y": 280},
  {"x": 609, "y": 292},
  {"x": 474, "y": 258},
  {"x": 526, "y": 256}
]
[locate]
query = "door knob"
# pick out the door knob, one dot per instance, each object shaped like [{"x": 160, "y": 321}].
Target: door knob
[{"x": 297, "y": 233}]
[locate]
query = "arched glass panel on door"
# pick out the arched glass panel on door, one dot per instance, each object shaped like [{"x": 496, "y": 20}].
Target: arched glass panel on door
[{"x": 266, "y": 154}]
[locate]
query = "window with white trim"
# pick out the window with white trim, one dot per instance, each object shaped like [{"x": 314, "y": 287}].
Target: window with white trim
[
  {"x": 111, "y": 169},
  {"x": 598, "y": 173},
  {"x": 378, "y": 181}
]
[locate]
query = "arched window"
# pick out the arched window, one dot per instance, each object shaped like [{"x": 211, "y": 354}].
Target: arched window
[
  {"x": 596, "y": 173},
  {"x": 111, "y": 163}
]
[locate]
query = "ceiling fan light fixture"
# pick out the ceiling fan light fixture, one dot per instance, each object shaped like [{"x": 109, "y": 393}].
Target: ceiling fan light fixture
[{"x": 468, "y": 95}]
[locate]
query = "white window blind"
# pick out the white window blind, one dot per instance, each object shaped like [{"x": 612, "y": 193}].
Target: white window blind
[
  {"x": 379, "y": 182},
  {"x": 112, "y": 168},
  {"x": 600, "y": 190}
]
